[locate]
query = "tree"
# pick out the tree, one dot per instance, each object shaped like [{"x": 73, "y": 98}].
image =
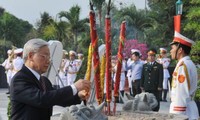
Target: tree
[
  {"x": 134, "y": 44},
  {"x": 1, "y": 11},
  {"x": 74, "y": 24},
  {"x": 56, "y": 30},
  {"x": 192, "y": 22},
  {"x": 13, "y": 31},
  {"x": 98, "y": 5},
  {"x": 195, "y": 52},
  {"x": 137, "y": 21},
  {"x": 42, "y": 23},
  {"x": 162, "y": 12}
]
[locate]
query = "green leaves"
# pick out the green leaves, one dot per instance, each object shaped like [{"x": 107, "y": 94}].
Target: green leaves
[
  {"x": 13, "y": 29},
  {"x": 195, "y": 52},
  {"x": 75, "y": 26},
  {"x": 192, "y": 24},
  {"x": 197, "y": 94}
]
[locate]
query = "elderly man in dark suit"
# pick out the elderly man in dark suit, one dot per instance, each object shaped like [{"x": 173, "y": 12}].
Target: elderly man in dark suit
[
  {"x": 32, "y": 95},
  {"x": 152, "y": 76}
]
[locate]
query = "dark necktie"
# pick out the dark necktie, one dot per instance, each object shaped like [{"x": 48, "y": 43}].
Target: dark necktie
[{"x": 42, "y": 83}]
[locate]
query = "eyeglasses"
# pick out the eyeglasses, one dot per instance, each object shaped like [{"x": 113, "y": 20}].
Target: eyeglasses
[{"x": 46, "y": 57}]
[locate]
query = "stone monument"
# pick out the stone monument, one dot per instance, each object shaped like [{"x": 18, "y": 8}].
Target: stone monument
[
  {"x": 81, "y": 112},
  {"x": 142, "y": 102}
]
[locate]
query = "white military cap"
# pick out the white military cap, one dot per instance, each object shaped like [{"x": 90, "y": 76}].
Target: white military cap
[
  {"x": 9, "y": 51},
  {"x": 136, "y": 50},
  {"x": 80, "y": 54},
  {"x": 65, "y": 52},
  {"x": 178, "y": 38},
  {"x": 71, "y": 52},
  {"x": 163, "y": 50},
  {"x": 18, "y": 50}
]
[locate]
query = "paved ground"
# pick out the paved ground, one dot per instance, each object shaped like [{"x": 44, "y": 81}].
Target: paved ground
[{"x": 164, "y": 107}]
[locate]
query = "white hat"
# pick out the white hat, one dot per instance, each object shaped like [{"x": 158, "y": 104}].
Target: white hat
[
  {"x": 71, "y": 52},
  {"x": 9, "y": 51},
  {"x": 136, "y": 50},
  {"x": 80, "y": 54},
  {"x": 18, "y": 50},
  {"x": 163, "y": 50},
  {"x": 178, "y": 38},
  {"x": 65, "y": 52}
]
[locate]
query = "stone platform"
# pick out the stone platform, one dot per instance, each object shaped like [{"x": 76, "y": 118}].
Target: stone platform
[
  {"x": 139, "y": 116},
  {"x": 146, "y": 116}
]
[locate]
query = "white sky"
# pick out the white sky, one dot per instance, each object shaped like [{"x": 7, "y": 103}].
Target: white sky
[{"x": 30, "y": 10}]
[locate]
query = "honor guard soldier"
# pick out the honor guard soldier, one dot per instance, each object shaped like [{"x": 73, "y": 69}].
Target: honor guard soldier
[
  {"x": 62, "y": 79},
  {"x": 129, "y": 71},
  {"x": 71, "y": 68},
  {"x": 184, "y": 81},
  {"x": 7, "y": 64},
  {"x": 18, "y": 61},
  {"x": 165, "y": 62},
  {"x": 79, "y": 60},
  {"x": 122, "y": 78},
  {"x": 152, "y": 77}
]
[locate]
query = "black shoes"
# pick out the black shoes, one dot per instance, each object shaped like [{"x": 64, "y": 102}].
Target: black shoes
[{"x": 164, "y": 100}]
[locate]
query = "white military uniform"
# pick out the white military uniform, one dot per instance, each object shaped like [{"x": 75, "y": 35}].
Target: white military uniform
[
  {"x": 184, "y": 85},
  {"x": 79, "y": 60},
  {"x": 129, "y": 72},
  {"x": 71, "y": 69},
  {"x": 122, "y": 77},
  {"x": 7, "y": 64},
  {"x": 62, "y": 80},
  {"x": 17, "y": 62},
  {"x": 165, "y": 62},
  {"x": 17, "y": 65},
  {"x": 79, "y": 64}
]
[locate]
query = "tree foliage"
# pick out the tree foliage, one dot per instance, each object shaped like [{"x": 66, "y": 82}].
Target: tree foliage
[
  {"x": 74, "y": 23},
  {"x": 99, "y": 5},
  {"x": 192, "y": 23},
  {"x": 13, "y": 31},
  {"x": 153, "y": 26},
  {"x": 42, "y": 23},
  {"x": 1, "y": 11},
  {"x": 195, "y": 52},
  {"x": 162, "y": 12}
]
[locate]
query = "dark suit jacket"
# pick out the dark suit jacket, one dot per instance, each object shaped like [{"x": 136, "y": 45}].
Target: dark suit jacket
[
  {"x": 152, "y": 76},
  {"x": 30, "y": 102}
]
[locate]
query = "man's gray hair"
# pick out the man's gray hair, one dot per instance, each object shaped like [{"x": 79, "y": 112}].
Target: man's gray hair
[{"x": 33, "y": 45}]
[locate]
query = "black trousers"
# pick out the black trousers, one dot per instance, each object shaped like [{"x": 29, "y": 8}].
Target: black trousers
[{"x": 136, "y": 87}]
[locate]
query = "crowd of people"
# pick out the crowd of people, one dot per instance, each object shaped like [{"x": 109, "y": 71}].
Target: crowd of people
[
  {"x": 67, "y": 72},
  {"x": 32, "y": 94},
  {"x": 144, "y": 75},
  {"x": 69, "y": 68},
  {"x": 152, "y": 75},
  {"x": 13, "y": 64}
]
